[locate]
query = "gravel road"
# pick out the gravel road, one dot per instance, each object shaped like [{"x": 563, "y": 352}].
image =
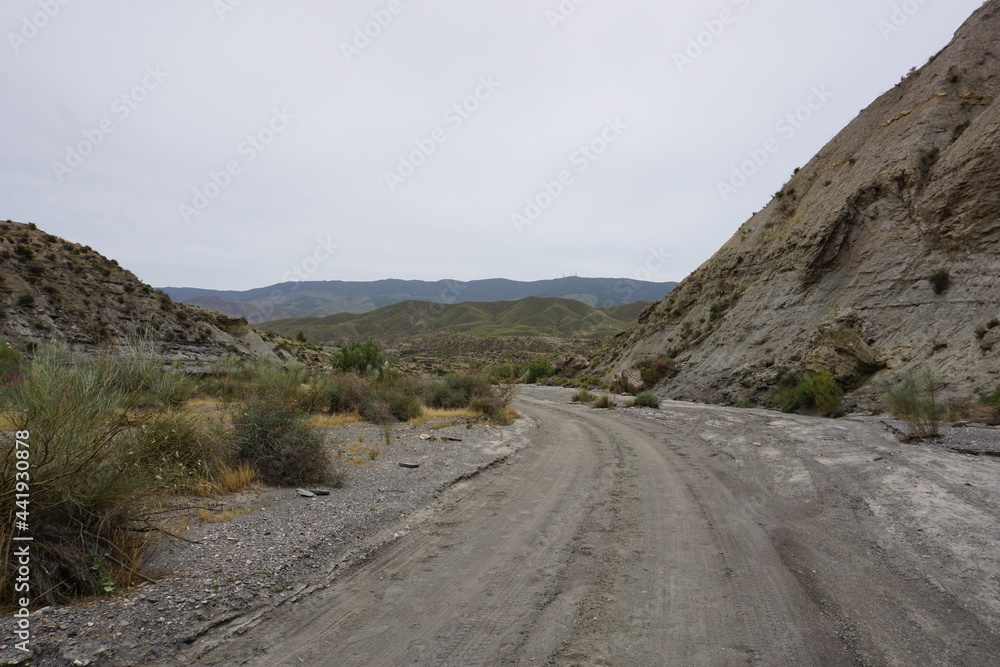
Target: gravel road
[
  {"x": 692, "y": 535},
  {"x": 689, "y": 535}
]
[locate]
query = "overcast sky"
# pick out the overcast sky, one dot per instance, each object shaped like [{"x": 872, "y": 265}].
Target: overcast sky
[{"x": 239, "y": 143}]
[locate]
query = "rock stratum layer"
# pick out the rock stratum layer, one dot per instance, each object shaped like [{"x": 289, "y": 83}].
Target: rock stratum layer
[{"x": 880, "y": 253}]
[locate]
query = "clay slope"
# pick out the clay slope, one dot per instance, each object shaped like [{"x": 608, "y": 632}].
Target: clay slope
[
  {"x": 834, "y": 272},
  {"x": 55, "y": 290}
]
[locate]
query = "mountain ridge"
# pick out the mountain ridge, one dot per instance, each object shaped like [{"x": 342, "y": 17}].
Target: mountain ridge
[{"x": 321, "y": 298}]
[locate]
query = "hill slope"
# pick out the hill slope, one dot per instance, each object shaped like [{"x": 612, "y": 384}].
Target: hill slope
[
  {"x": 529, "y": 317},
  {"x": 55, "y": 290},
  {"x": 321, "y": 298},
  {"x": 835, "y": 271}
]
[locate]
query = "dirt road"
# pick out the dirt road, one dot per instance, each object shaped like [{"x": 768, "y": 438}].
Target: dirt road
[{"x": 692, "y": 535}]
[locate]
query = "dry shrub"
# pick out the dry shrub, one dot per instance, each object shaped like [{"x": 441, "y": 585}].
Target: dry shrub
[{"x": 276, "y": 441}]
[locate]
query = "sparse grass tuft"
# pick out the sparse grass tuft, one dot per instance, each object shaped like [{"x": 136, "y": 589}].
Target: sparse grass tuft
[
  {"x": 584, "y": 396},
  {"x": 605, "y": 402},
  {"x": 228, "y": 479}
]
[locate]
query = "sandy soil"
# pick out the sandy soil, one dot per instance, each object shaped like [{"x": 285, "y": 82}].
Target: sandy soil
[{"x": 683, "y": 536}]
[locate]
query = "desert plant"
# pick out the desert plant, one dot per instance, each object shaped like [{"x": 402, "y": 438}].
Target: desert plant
[
  {"x": 274, "y": 439},
  {"x": 646, "y": 399},
  {"x": 184, "y": 449},
  {"x": 170, "y": 389},
  {"x": 991, "y": 408},
  {"x": 583, "y": 396},
  {"x": 940, "y": 280},
  {"x": 539, "y": 369},
  {"x": 605, "y": 402},
  {"x": 656, "y": 370},
  {"x": 959, "y": 130},
  {"x": 26, "y": 300},
  {"x": 506, "y": 393},
  {"x": 509, "y": 373},
  {"x": 817, "y": 389},
  {"x": 458, "y": 390},
  {"x": 913, "y": 398},
  {"x": 85, "y": 482},
  {"x": 361, "y": 358}
]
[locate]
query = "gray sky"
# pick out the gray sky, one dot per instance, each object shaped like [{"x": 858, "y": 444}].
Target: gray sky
[{"x": 239, "y": 143}]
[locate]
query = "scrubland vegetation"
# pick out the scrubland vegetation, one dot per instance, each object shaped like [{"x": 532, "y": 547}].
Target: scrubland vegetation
[{"x": 114, "y": 435}]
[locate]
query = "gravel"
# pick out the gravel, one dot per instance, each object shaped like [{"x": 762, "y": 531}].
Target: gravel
[{"x": 216, "y": 577}]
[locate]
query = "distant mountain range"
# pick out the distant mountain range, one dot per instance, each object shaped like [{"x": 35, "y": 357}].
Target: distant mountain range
[
  {"x": 412, "y": 320},
  {"x": 322, "y": 298}
]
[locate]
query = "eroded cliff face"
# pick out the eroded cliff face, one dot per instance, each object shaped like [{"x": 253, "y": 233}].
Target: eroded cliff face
[{"x": 836, "y": 270}]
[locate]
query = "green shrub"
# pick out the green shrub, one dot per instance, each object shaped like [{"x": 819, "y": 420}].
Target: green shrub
[
  {"x": 913, "y": 398},
  {"x": 583, "y": 396},
  {"x": 457, "y": 390},
  {"x": 85, "y": 482},
  {"x": 274, "y": 439},
  {"x": 509, "y": 373},
  {"x": 646, "y": 399},
  {"x": 539, "y": 369},
  {"x": 817, "y": 390},
  {"x": 654, "y": 371},
  {"x": 361, "y": 358}
]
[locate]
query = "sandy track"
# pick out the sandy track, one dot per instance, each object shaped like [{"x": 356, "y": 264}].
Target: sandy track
[{"x": 687, "y": 536}]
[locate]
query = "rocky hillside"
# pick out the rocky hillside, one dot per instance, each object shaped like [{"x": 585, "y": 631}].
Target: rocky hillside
[
  {"x": 883, "y": 252},
  {"x": 55, "y": 290}
]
